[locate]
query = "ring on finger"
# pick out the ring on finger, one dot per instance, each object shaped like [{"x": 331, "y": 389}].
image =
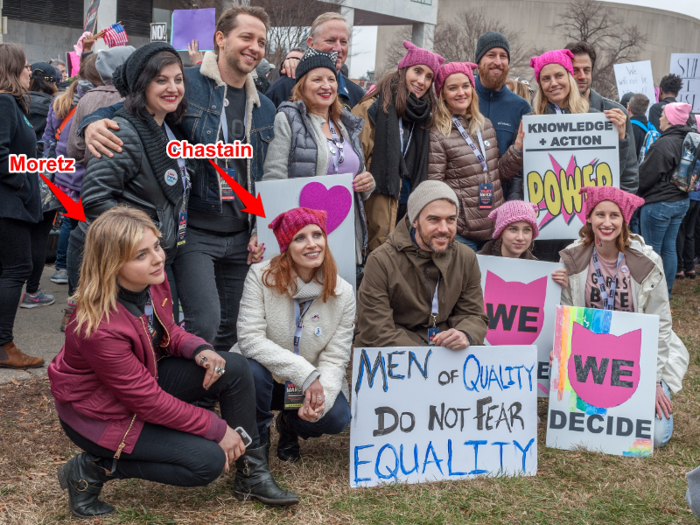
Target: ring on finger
[{"x": 219, "y": 370}]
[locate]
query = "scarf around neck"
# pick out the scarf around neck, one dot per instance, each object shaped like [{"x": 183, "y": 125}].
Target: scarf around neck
[
  {"x": 155, "y": 141},
  {"x": 389, "y": 166}
]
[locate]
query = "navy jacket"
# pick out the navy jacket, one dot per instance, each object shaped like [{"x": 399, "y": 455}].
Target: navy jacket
[
  {"x": 281, "y": 90},
  {"x": 20, "y": 197},
  {"x": 505, "y": 110},
  {"x": 201, "y": 124}
]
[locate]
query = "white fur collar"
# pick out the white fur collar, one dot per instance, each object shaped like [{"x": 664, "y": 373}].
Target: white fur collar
[{"x": 210, "y": 69}]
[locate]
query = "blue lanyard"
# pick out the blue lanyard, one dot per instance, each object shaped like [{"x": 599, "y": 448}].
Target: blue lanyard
[
  {"x": 558, "y": 110},
  {"x": 479, "y": 155},
  {"x": 180, "y": 164},
  {"x": 299, "y": 323},
  {"x": 338, "y": 143},
  {"x": 148, "y": 310},
  {"x": 608, "y": 304}
]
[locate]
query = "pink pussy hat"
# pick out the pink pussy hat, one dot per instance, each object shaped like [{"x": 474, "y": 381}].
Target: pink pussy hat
[
  {"x": 563, "y": 57},
  {"x": 677, "y": 113},
  {"x": 624, "y": 200},
  {"x": 419, "y": 56},
  {"x": 450, "y": 69},
  {"x": 514, "y": 211}
]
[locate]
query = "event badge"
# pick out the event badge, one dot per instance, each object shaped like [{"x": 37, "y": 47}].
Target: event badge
[
  {"x": 485, "y": 195},
  {"x": 227, "y": 193},
  {"x": 293, "y": 396},
  {"x": 432, "y": 332}
]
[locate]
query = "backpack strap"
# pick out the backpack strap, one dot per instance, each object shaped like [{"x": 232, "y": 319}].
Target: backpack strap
[
  {"x": 640, "y": 125},
  {"x": 65, "y": 122}
]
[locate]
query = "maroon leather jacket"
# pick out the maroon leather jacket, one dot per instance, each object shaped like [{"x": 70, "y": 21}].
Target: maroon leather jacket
[{"x": 106, "y": 386}]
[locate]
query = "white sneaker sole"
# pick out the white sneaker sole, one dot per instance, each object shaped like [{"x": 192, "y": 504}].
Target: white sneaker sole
[{"x": 29, "y": 305}]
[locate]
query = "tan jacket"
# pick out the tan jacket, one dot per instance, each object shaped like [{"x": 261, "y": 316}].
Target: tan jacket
[
  {"x": 454, "y": 162},
  {"x": 367, "y": 133},
  {"x": 395, "y": 298},
  {"x": 650, "y": 297}
]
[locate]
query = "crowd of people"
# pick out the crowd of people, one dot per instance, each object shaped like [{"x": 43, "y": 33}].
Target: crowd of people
[{"x": 436, "y": 152}]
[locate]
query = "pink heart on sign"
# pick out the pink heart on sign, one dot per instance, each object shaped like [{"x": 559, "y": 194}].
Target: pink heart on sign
[{"x": 336, "y": 201}]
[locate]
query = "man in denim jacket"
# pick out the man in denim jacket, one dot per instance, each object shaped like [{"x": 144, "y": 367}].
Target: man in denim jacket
[{"x": 210, "y": 268}]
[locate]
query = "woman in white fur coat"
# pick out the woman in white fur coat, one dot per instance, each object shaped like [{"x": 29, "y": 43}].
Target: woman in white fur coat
[{"x": 295, "y": 326}]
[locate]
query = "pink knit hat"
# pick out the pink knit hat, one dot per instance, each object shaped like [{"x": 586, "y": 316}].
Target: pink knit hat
[
  {"x": 449, "y": 69},
  {"x": 514, "y": 211},
  {"x": 286, "y": 225},
  {"x": 625, "y": 201},
  {"x": 420, "y": 56},
  {"x": 563, "y": 57},
  {"x": 677, "y": 113}
]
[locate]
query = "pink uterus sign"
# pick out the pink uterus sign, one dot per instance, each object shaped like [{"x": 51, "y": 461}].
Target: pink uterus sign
[
  {"x": 336, "y": 201},
  {"x": 515, "y": 310},
  {"x": 604, "y": 368}
]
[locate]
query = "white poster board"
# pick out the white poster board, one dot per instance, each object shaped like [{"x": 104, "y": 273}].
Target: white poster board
[
  {"x": 424, "y": 414},
  {"x": 687, "y": 66},
  {"x": 562, "y": 154},
  {"x": 603, "y": 381},
  {"x": 520, "y": 299},
  {"x": 332, "y": 193},
  {"x": 635, "y": 77}
]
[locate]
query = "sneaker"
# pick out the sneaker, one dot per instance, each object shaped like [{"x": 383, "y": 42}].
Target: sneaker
[
  {"x": 32, "y": 301},
  {"x": 60, "y": 277}
]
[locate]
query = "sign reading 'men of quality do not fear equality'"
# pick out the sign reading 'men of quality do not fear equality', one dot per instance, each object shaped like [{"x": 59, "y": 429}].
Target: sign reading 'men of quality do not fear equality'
[
  {"x": 429, "y": 413},
  {"x": 561, "y": 155}
]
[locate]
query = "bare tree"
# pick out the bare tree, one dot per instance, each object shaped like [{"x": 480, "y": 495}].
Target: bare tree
[
  {"x": 456, "y": 41},
  {"x": 593, "y": 22}
]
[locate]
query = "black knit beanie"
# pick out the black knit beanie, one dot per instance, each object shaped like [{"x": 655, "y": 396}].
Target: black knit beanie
[
  {"x": 489, "y": 41},
  {"x": 314, "y": 58},
  {"x": 125, "y": 76}
]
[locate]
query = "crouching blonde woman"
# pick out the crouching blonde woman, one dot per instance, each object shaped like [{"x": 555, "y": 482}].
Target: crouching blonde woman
[
  {"x": 126, "y": 378},
  {"x": 295, "y": 327}
]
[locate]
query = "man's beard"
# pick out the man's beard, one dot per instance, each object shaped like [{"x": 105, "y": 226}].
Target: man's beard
[
  {"x": 491, "y": 82},
  {"x": 427, "y": 241},
  {"x": 237, "y": 63}
]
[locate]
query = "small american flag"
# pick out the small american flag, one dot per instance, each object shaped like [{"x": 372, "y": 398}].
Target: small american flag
[{"x": 115, "y": 35}]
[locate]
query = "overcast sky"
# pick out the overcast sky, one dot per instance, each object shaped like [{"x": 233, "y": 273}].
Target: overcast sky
[{"x": 364, "y": 42}]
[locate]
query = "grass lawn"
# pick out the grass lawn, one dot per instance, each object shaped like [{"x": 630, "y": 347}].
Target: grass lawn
[{"x": 570, "y": 487}]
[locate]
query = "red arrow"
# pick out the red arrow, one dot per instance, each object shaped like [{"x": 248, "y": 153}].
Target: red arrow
[
  {"x": 253, "y": 205},
  {"x": 74, "y": 210}
]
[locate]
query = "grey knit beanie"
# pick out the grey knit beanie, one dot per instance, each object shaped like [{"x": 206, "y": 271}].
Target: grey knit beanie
[
  {"x": 110, "y": 59},
  {"x": 427, "y": 192},
  {"x": 489, "y": 41}
]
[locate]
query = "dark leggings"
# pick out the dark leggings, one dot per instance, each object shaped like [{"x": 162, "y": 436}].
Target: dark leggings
[
  {"x": 174, "y": 457},
  {"x": 40, "y": 239}
]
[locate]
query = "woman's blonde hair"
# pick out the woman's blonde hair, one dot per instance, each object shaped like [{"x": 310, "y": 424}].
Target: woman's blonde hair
[
  {"x": 443, "y": 116},
  {"x": 577, "y": 104},
  {"x": 63, "y": 103},
  {"x": 112, "y": 241}
]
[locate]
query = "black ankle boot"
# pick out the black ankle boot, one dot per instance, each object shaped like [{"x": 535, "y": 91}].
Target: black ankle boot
[
  {"x": 254, "y": 481},
  {"x": 84, "y": 480},
  {"x": 288, "y": 444}
]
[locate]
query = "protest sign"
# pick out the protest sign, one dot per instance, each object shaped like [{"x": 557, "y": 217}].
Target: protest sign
[
  {"x": 635, "y": 77},
  {"x": 159, "y": 32},
  {"x": 332, "y": 193},
  {"x": 429, "y": 413},
  {"x": 602, "y": 394},
  {"x": 91, "y": 17},
  {"x": 193, "y": 24},
  {"x": 520, "y": 299},
  {"x": 687, "y": 66},
  {"x": 562, "y": 154}
]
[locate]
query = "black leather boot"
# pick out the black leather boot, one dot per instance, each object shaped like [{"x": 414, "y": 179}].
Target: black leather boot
[
  {"x": 288, "y": 444},
  {"x": 254, "y": 480},
  {"x": 84, "y": 480}
]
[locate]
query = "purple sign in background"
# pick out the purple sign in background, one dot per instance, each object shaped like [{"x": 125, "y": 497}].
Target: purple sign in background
[{"x": 193, "y": 24}]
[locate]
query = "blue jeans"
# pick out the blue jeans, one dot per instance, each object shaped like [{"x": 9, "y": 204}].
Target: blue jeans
[
  {"x": 62, "y": 251},
  {"x": 474, "y": 245},
  {"x": 660, "y": 224},
  {"x": 663, "y": 428},
  {"x": 334, "y": 422}
]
